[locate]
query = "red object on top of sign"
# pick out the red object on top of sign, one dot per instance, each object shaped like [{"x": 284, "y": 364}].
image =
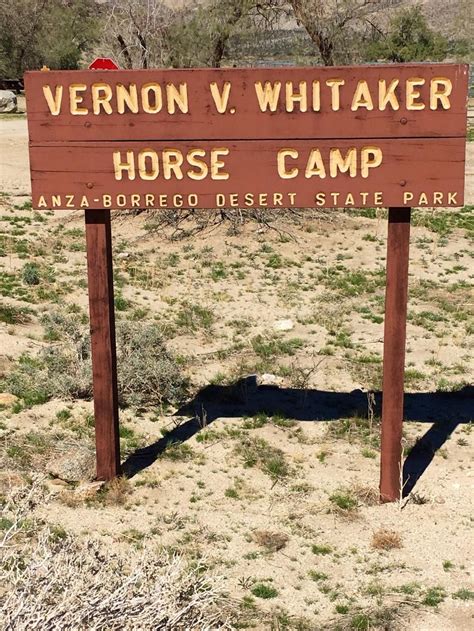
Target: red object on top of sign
[{"x": 103, "y": 63}]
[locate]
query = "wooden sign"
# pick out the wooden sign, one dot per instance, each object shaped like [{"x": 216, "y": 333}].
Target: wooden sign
[
  {"x": 293, "y": 137},
  {"x": 268, "y": 137}
]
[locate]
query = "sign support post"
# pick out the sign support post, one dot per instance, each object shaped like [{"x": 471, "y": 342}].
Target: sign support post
[
  {"x": 102, "y": 326},
  {"x": 396, "y": 296}
]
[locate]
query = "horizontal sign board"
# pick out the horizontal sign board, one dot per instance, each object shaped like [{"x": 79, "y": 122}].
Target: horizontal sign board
[
  {"x": 294, "y": 137},
  {"x": 299, "y": 173}
]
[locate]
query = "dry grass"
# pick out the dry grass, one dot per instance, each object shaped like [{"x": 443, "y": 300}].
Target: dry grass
[
  {"x": 384, "y": 539},
  {"x": 272, "y": 541},
  {"x": 116, "y": 491},
  {"x": 366, "y": 495},
  {"x": 51, "y": 580}
]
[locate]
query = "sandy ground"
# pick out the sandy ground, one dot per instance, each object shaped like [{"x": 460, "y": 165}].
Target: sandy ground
[{"x": 206, "y": 502}]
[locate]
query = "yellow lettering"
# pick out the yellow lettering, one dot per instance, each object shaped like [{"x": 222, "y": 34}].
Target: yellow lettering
[
  {"x": 54, "y": 103},
  {"x": 335, "y": 85},
  {"x": 387, "y": 95},
  {"x": 362, "y": 97},
  {"x": 193, "y": 161},
  {"x": 42, "y": 202},
  {"x": 148, "y": 166},
  {"x": 338, "y": 163},
  {"x": 172, "y": 162},
  {"x": 413, "y": 94},
  {"x": 268, "y": 95},
  {"x": 155, "y": 89},
  {"x": 220, "y": 100},
  {"x": 452, "y": 199},
  {"x": 101, "y": 97},
  {"x": 440, "y": 90},
  {"x": 320, "y": 199},
  {"x": 217, "y": 165},
  {"x": 370, "y": 158},
  {"x": 296, "y": 97},
  {"x": 407, "y": 197},
  {"x": 177, "y": 97},
  {"x": 84, "y": 202},
  {"x": 128, "y": 166},
  {"x": 316, "y": 96},
  {"x": 315, "y": 165},
  {"x": 76, "y": 99},
  {"x": 127, "y": 97},
  {"x": 283, "y": 172}
]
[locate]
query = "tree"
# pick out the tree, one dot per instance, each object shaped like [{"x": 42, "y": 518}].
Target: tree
[
  {"x": 153, "y": 33},
  {"x": 335, "y": 25},
  {"x": 409, "y": 38},
  {"x": 55, "y": 33}
]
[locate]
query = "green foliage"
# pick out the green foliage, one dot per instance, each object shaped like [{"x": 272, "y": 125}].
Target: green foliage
[
  {"x": 321, "y": 549},
  {"x": 256, "y": 452},
  {"x": 30, "y": 274},
  {"x": 14, "y": 315},
  {"x": 344, "y": 500},
  {"x": 434, "y": 596},
  {"x": 147, "y": 374},
  {"x": 260, "y": 590},
  {"x": 464, "y": 594},
  {"x": 409, "y": 38},
  {"x": 274, "y": 346},
  {"x": 192, "y": 317},
  {"x": 52, "y": 33}
]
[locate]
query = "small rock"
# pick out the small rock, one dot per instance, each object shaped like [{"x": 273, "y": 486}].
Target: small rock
[
  {"x": 56, "y": 486},
  {"x": 8, "y": 102},
  {"x": 88, "y": 490},
  {"x": 74, "y": 465},
  {"x": 7, "y": 399},
  {"x": 268, "y": 379},
  {"x": 283, "y": 325},
  {"x": 123, "y": 255},
  {"x": 58, "y": 482}
]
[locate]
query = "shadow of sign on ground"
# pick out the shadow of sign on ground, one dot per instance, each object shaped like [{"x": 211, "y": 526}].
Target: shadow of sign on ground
[{"x": 446, "y": 410}]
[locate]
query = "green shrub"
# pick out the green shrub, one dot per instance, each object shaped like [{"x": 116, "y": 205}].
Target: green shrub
[
  {"x": 148, "y": 374},
  {"x": 30, "y": 274}
]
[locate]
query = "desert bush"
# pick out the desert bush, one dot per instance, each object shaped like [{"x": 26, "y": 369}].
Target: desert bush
[
  {"x": 50, "y": 579},
  {"x": 30, "y": 274},
  {"x": 148, "y": 375}
]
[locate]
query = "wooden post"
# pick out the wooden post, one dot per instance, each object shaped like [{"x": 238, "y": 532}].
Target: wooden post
[
  {"x": 396, "y": 294},
  {"x": 102, "y": 325}
]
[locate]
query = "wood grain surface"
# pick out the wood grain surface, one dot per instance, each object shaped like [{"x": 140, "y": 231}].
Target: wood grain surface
[
  {"x": 247, "y": 121},
  {"x": 418, "y": 166}
]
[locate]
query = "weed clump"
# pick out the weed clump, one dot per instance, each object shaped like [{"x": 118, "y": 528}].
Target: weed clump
[
  {"x": 256, "y": 452},
  {"x": 148, "y": 375},
  {"x": 384, "y": 539},
  {"x": 271, "y": 541}
]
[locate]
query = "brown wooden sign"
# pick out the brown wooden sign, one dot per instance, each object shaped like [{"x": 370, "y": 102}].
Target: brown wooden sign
[
  {"x": 268, "y": 137},
  {"x": 294, "y": 137}
]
